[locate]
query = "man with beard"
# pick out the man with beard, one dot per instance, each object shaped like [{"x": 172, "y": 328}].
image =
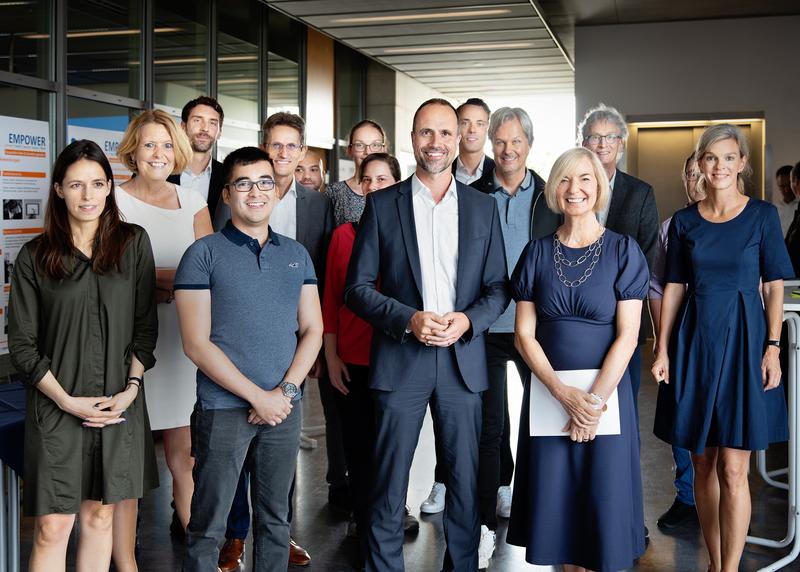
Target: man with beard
[
  {"x": 201, "y": 119},
  {"x": 427, "y": 344},
  {"x": 310, "y": 172}
]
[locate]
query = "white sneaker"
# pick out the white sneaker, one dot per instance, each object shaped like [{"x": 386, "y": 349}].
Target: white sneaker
[
  {"x": 435, "y": 501},
  {"x": 486, "y": 547},
  {"x": 504, "y": 502}
]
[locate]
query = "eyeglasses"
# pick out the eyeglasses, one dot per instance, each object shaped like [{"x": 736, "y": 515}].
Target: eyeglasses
[
  {"x": 374, "y": 146},
  {"x": 611, "y": 138},
  {"x": 291, "y": 148},
  {"x": 244, "y": 185}
]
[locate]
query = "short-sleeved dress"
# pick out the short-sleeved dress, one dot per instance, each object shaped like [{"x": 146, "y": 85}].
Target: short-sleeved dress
[
  {"x": 579, "y": 503},
  {"x": 171, "y": 387},
  {"x": 715, "y": 397},
  {"x": 84, "y": 329}
]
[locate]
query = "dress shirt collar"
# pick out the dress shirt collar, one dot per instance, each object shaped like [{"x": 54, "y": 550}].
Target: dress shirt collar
[
  {"x": 205, "y": 173},
  {"x": 418, "y": 188},
  {"x": 292, "y": 189},
  {"x": 461, "y": 169},
  {"x": 527, "y": 183}
]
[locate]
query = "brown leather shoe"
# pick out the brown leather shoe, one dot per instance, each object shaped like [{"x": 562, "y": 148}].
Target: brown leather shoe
[
  {"x": 230, "y": 557},
  {"x": 298, "y": 555}
]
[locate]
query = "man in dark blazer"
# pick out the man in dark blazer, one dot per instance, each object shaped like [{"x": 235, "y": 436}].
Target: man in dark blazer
[
  {"x": 305, "y": 215},
  {"x": 472, "y": 167},
  {"x": 437, "y": 249},
  {"x": 632, "y": 208},
  {"x": 201, "y": 120}
]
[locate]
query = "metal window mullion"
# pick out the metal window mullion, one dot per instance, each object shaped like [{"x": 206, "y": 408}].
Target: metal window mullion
[
  {"x": 211, "y": 65},
  {"x": 148, "y": 53},
  {"x": 263, "y": 68},
  {"x": 58, "y": 49}
]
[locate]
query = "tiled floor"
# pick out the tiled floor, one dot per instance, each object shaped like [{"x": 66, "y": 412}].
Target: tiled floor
[{"x": 322, "y": 532}]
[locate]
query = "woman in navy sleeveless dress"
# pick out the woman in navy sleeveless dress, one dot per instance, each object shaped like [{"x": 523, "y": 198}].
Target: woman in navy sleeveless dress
[
  {"x": 716, "y": 339},
  {"x": 578, "y": 498}
]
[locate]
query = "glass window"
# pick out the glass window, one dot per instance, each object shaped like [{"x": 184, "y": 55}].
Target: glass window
[
  {"x": 25, "y": 37},
  {"x": 238, "y": 74},
  {"x": 283, "y": 67},
  {"x": 104, "y": 39},
  {"x": 349, "y": 66},
  {"x": 237, "y": 59},
  {"x": 180, "y": 57},
  {"x": 283, "y": 93},
  {"x": 24, "y": 102},
  {"x": 102, "y": 123}
]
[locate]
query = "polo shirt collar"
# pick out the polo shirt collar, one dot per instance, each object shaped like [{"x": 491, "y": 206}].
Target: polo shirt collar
[
  {"x": 239, "y": 238},
  {"x": 527, "y": 183}
]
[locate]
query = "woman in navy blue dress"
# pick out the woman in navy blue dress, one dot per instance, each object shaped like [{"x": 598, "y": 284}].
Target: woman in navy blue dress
[
  {"x": 718, "y": 352},
  {"x": 578, "y": 497}
]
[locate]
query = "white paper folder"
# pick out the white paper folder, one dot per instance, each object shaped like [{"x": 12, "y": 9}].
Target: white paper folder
[{"x": 548, "y": 417}]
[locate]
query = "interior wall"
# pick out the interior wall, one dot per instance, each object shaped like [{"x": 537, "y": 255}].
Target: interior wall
[
  {"x": 392, "y": 99},
  {"x": 702, "y": 68}
]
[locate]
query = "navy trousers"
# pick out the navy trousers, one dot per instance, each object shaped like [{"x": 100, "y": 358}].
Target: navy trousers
[{"x": 399, "y": 415}]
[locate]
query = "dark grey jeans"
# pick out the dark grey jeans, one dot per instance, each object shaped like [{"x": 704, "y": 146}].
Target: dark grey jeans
[{"x": 222, "y": 442}]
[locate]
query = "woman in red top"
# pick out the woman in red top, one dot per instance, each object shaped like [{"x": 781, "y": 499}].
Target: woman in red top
[{"x": 347, "y": 340}]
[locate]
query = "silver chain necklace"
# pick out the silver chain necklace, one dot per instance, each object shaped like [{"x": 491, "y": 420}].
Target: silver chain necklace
[{"x": 593, "y": 251}]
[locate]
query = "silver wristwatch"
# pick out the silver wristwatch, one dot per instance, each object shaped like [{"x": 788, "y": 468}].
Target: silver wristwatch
[{"x": 289, "y": 390}]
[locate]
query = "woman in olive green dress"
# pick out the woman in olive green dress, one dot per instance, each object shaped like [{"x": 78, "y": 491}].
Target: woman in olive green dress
[{"x": 82, "y": 329}]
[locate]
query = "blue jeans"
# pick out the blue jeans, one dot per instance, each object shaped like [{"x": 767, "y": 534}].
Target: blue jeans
[
  {"x": 222, "y": 443},
  {"x": 684, "y": 475},
  {"x": 239, "y": 517}
]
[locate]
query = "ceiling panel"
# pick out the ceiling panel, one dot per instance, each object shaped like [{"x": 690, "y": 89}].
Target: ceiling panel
[
  {"x": 531, "y": 23},
  {"x": 445, "y": 43}
]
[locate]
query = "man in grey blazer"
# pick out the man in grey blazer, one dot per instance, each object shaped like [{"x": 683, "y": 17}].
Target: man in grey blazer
[{"x": 307, "y": 216}]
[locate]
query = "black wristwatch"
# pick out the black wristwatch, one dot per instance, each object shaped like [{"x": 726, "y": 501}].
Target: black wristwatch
[
  {"x": 288, "y": 389},
  {"x": 776, "y": 343}
]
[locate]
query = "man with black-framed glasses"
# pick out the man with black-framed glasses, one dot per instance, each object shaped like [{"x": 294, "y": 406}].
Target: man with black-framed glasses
[
  {"x": 250, "y": 319},
  {"x": 306, "y": 216}
]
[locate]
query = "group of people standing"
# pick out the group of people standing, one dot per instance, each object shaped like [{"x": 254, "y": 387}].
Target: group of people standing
[{"x": 399, "y": 296}]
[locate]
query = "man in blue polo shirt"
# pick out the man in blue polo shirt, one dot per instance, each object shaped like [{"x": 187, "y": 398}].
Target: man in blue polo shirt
[{"x": 251, "y": 322}]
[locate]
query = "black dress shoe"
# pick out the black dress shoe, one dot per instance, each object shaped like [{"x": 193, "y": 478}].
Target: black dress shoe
[
  {"x": 176, "y": 528},
  {"x": 679, "y": 513}
]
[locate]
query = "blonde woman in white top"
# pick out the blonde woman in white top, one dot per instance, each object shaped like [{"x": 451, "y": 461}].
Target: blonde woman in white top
[{"x": 154, "y": 148}]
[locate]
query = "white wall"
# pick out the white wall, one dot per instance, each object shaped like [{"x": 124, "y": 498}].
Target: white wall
[{"x": 703, "y": 67}]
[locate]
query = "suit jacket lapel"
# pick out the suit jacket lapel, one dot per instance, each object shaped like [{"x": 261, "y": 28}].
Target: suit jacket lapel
[
  {"x": 405, "y": 210},
  {"x": 301, "y": 215},
  {"x": 466, "y": 213},
  {"x": 617, "y": 200}
]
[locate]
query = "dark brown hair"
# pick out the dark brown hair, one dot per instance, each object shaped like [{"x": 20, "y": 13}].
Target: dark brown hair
[
  {"x": 390, "y": 160},
  {"x": 202, "y": 100},
  {"x": 286, "y": 119},
  {"x": 55, "y": 243}
]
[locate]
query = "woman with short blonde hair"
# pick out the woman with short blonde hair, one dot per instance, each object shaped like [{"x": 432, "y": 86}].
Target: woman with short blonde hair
[
  {"x": 567, "y": 163},
  {"x": 154, "y": 148},
  {"x": 579, "y": 298}
]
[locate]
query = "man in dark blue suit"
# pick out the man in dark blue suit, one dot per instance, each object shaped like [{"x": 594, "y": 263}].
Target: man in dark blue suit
[{"x": 437, "y": 249}]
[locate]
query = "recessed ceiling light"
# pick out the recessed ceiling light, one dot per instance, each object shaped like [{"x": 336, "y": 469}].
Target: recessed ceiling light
[
  {"x": 424, "y": 16},
  {"x": 458, "y": 48}
]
